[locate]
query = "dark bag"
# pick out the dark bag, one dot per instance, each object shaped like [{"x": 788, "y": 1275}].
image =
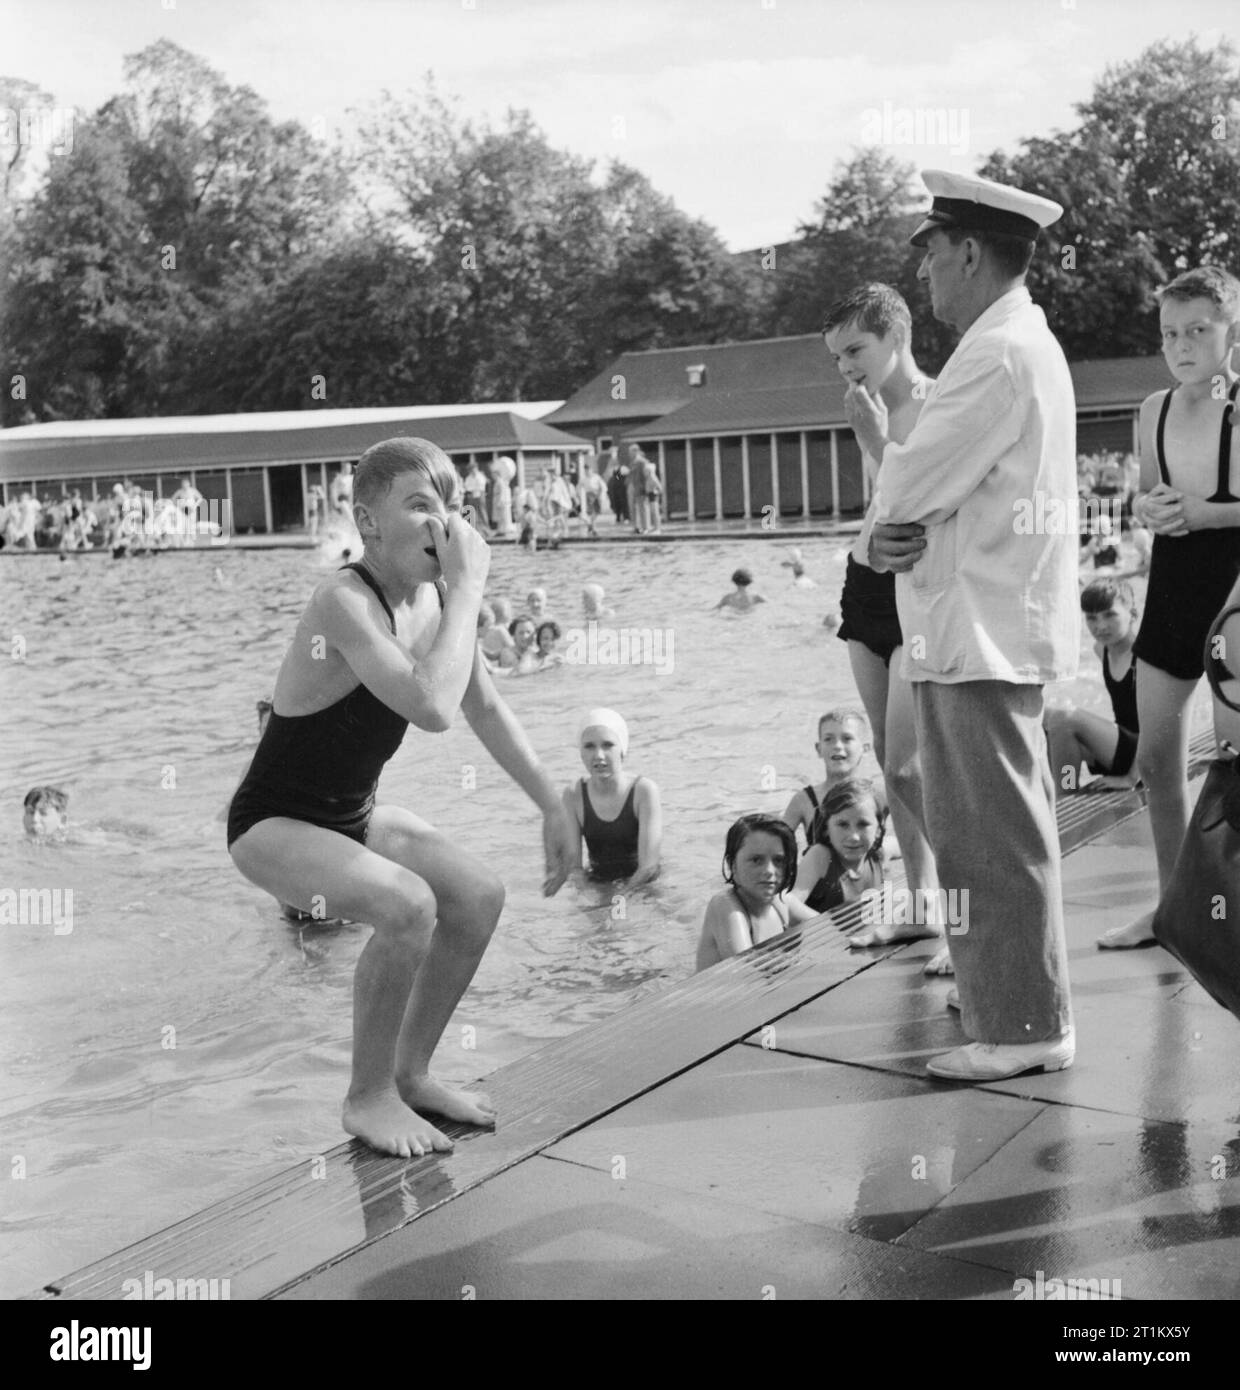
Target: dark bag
[{"x": 1198, "y": 919}]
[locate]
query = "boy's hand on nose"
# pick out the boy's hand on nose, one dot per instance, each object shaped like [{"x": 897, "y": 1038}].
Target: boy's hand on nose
[{"x": 464, "y": 556}]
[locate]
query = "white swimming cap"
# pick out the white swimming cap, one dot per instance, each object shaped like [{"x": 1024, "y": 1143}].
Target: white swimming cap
[{"x": 606, "y": 719}]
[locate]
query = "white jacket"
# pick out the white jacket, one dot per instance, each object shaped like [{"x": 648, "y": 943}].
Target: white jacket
[{"x": 990, "y": 471}]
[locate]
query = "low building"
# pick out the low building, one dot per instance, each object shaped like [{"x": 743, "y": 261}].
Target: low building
[
  {"x": 263, "y": 464},
  {"x": 737, "y": 428}
]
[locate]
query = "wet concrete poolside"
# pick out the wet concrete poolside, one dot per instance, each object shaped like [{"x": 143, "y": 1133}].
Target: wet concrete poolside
[{"x": 767, "y": 1130}]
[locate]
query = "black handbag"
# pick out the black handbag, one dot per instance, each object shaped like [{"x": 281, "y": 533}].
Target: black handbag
[{"x": 1198, "y": 918}]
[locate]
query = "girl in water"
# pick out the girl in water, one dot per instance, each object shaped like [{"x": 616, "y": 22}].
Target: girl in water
[
  {"x": 759, "y": 866},
  {"x": 846, "y": 859},
  {"x": 618, "y": 815}
]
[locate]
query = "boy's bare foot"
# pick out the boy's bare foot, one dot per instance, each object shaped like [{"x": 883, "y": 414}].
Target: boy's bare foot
[
  {"x": 884, "y": 936},
  {"x": 940, "y": 963},
  {"x": 386, "y": 1123},
  {"x": 1133, "y": 934},
  {"x": 430, "y": 1097}
]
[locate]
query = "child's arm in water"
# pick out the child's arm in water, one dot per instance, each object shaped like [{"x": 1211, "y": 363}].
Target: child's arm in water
[
  {"x": 797, "y": 911},
  {"x": 649, "y": 812},
  {"x": 813, "y": 866},
  {"x": 725, "y": 932},
  {"x": 500, "y": 734},
  {"x": 569, "y": 798}
]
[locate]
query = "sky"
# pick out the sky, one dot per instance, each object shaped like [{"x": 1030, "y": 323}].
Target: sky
[{"x": 739, "y": 110}]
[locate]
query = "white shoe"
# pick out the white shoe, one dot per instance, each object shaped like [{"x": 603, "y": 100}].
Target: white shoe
[{"x": 998, "y": 1061}]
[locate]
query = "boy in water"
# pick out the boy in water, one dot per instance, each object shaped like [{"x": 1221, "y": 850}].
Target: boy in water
[
  {"x": 740, "y": 598},
  {"x": 386, "y": 642},
  {"x": 1188, "y": 447},
  {"x": 45, "y": 813},
  {"x": 843, "y": 740},
  {"x": 1075, "y": 736}
]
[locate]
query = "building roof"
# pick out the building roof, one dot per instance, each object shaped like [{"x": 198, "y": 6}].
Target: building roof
[
  {"x": 657, "y": 382},
  {"x": 782, "y": 383},
  {"x": 85, "y": 448}
]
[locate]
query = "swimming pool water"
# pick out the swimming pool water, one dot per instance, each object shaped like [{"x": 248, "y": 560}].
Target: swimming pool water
[{"x": 183, "y": 1041}]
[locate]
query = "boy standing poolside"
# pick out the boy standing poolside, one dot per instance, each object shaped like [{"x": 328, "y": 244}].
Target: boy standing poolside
[
  {"x": 869, "y": 335},
  {"x": 386, "y": 642},
  {"x": 1188, "y": 465}
]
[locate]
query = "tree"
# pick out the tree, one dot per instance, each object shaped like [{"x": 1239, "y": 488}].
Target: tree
[{"x": 1150, "y": 183}]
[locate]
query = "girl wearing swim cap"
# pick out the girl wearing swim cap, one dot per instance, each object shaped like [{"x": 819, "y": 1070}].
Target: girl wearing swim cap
[{"x": 617, "y": 815}]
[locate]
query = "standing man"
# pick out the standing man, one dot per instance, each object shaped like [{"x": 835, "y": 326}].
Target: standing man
[{"x": 970, "y": 514}]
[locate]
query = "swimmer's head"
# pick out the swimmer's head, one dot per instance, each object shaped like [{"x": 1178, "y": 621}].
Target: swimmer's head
[
  {"x": 798, "y": 569},
  {"x": 603, "y": 740},
  {"x": 742, "y": 578},
  {"x": 1110, "y": 609},
  {"x": 522, "y": 630},
  {"x": 547, "y": 636},
  {"x": 592, "y": 596},
  {"x": 391, "y": 463},
  {"x": 782, "y": 842},
  {"x": 45, "y": 811},
  {"x": 486, "y": 616},
  {"x": 850, "y": 822},
  {"x": 264, "y": 708},
  {"x": 536, "y": 602},
  {"x": 502, "y": 609},
  {"x": 843, "y": 740}
]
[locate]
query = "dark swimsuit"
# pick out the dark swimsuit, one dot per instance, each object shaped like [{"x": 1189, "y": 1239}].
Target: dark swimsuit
[
  {"x": 828, "y": 892},
  {"x": 323, "y": 767},
  {"x": 868, "y": 610},
  {"x": 1123, "y": 695},
  {"x": 612, "y": 844},
  {"x": 1190, "y": 576}
]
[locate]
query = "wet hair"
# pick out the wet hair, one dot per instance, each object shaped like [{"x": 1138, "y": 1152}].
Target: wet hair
[
  {"x": 875, "y": 308},
  {"x": 381, "y": 464},
  {"x": 759, "y": 823},
  {"x": 742, "y": 577},
  {"x": 543, "y": 627},
  {"x": 1102, "y": 593},
  {"x": 1012, "y": 254},
  {"x": 516, "y": 623},
  {"x": 854, "y": 791},
  {"x": 502, "y": 608},
  {"x": 1206, "y": 282},
  {"x": 38, "y": 797},
  {"x": 845, "y": 714}
]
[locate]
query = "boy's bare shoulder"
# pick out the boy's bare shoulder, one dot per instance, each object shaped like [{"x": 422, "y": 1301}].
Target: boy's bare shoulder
[{"x": 1154, "y": 400}]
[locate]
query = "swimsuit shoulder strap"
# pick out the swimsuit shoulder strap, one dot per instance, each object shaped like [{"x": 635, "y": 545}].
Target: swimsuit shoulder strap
[
  {"x": 1159, "y": 450},
  {"x": 813, "y": 798},
  {"x": 371, "y": 582},
  {"x": 1223, "y": 492}
]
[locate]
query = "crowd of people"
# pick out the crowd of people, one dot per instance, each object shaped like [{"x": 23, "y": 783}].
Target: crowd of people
[{"x": 126, "y": 520}]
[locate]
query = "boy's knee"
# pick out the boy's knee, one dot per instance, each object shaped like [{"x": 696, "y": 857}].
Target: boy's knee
[
  {"x": 485, "y": 903},
  {"x": 408, "y": 909}
]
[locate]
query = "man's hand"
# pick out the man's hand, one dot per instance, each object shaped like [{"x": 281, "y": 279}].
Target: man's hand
[
  {"x": 868, "y": 418},
  {"x": 560, "y": 845},
  {"x": 896, "y": 547}
]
